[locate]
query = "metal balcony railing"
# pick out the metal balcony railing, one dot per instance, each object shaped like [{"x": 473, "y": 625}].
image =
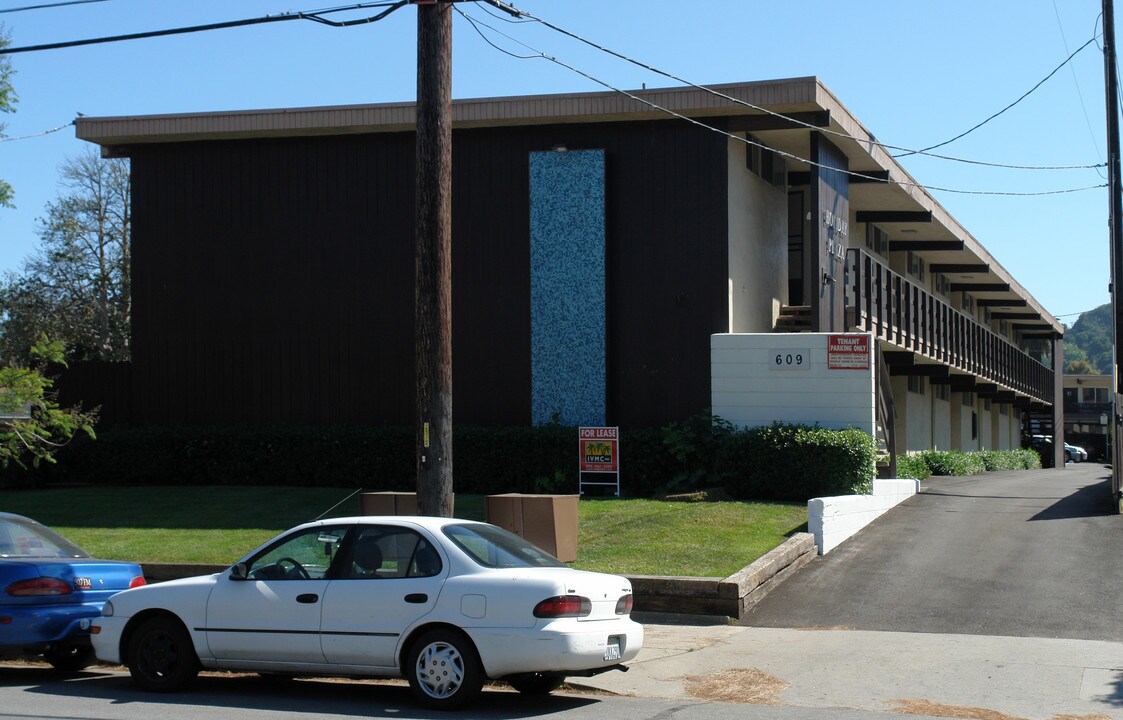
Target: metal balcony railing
[{"x": 896, "y": 310}]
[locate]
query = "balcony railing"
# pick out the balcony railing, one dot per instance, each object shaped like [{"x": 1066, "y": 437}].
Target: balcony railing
[{"x": 903, "y": 314}]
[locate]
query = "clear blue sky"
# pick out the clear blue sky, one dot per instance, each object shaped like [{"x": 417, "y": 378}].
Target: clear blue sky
[{"x": 914, "y": 73}]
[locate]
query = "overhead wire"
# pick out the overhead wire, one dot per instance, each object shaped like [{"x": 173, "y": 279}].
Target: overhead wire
[
  {"x": 694, "y": 121},
  {"x": 1076, "y": 83},
  {"x": 50, "y": 5},
  {"x": 38, "y": 134},
  {"x": 283, "y": 17},
  {"x": 737, "y": 101}
]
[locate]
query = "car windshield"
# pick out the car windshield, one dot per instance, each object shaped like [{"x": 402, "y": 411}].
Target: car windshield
[
  {"x": 496, "y": 548},
  {"x": 20, "y": 538}
]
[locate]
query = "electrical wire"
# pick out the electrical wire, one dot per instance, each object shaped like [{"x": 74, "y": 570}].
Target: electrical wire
[
  {"x": 694, "y": 121},
  {"x": 827, "y": 131},
  {"x": 312, "y": 15},
  {"x": 1079, "y": 93},
  {"x": 1026, "y": 94},
  {"x": 50, "y": 5},
  {"x": 38, "y": 134}
]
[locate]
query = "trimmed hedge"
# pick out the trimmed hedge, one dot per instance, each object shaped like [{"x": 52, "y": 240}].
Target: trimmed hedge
[
  {"x": 797, "y": 463},
  {"x": 779, "y": 462},
  {"x": 954, "y": 462}
]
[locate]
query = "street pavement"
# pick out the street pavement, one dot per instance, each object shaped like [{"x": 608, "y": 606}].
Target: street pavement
[{"x": 989, "y": 649}]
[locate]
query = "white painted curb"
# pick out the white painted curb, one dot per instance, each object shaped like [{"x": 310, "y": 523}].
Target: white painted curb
[{"x": 832, "y": 520}]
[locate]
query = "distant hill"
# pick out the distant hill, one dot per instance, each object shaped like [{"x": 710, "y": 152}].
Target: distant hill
[{"x": 1089, "y": 339}]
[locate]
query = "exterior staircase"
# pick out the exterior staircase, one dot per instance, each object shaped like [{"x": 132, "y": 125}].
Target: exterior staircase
[{"x": 793, "y": 319}]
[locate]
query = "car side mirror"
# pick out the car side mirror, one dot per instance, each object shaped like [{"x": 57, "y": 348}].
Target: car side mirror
[{"x": 239, "y": 572}]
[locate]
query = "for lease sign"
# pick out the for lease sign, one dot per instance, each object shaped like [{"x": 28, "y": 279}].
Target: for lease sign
[
  {"x": 600, "y": 449},
  {"x": 848, "y": 352}
]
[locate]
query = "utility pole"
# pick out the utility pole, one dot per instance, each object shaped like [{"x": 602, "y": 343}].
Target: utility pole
[
  {"x": 1111, "y": 84},
  {"x": 433, "y": 268}
]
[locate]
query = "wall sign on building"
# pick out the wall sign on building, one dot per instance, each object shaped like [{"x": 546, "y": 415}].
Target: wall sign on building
[
  {"x": 599, "y": 453},
  {"x": 848, "y": 352}
]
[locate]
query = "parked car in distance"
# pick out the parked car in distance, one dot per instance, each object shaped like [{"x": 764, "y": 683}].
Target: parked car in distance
[
  {"x": 1075, "y": 453},
  {"x": 444, "y": 603},
  {"x": 51, "y": 590}
]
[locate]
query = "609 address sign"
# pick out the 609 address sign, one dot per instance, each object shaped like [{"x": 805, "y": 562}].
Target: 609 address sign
[{"x": 790, "y": 359}]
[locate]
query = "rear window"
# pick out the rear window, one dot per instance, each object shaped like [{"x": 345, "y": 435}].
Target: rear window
[
  {"x": 28, "y": 539},
  {"x": 496, "y": 548}
]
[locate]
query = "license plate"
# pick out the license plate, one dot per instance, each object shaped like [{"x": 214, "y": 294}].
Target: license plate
[{"x": 612, "y": 649}]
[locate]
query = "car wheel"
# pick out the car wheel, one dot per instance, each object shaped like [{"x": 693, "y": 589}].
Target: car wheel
[
  {"x": 70, "y": 658},
  {"x": 536, "y": 683},
  {"x": 161, "y": 656},
  {"x": 443, "y": 669}
]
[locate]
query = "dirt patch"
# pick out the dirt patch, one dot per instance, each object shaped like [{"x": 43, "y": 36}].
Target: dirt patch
[
  {"x": 740, "y": 685},
  {"x": 927, "y": 707}
]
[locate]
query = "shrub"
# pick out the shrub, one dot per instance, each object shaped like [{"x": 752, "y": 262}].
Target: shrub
[
  {"x": 797, "y": 462},
  {"x": 912, "y": 466},
  {"x": 953, "y": 462}
]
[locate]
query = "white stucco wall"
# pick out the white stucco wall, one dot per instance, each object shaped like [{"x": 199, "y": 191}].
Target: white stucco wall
[
  {"x": 758, "y": 247},
  {"x": 986, "y": 426},
  {"x": 941, "y": 424}
]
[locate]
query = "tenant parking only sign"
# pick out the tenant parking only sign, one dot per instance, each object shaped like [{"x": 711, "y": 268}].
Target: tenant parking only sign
[{"x": 848, "y": 352}]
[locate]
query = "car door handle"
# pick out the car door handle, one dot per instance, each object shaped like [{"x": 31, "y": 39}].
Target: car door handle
[
  {"x": 417, "y": 598},
  {"x": 307, "y": 598}
]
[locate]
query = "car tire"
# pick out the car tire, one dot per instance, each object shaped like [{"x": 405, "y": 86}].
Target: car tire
[
  {"x": 70, "y": 658},
  {"x": 536, "y": 683},
  {"x": 444, "y": 670},
  {"x": 161, "y": 656}
]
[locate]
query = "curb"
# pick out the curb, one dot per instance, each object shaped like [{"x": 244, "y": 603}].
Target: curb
[{"x": 658, "y": 598}]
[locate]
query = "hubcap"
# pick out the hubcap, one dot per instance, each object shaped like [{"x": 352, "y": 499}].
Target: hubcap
[
  {"x": 440, "y": 670},
  {"x": 159, "y": 655}
]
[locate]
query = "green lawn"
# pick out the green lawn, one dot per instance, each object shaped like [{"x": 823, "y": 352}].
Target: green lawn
[{"x": 217, "y": 525}]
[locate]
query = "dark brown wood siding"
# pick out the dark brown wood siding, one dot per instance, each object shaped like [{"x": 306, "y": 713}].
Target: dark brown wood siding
[{"x": 273, "y": 279}]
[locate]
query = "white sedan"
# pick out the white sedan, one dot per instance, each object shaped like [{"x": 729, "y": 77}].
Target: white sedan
[{"x": 445, "y": 603}]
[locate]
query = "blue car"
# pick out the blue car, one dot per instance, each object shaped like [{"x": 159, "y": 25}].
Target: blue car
[{"x": 50, "y": 590}]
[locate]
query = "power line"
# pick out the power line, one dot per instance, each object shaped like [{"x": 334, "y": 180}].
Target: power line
[
  {"x": 827, "y": 131},
  {"x": 50, "y": 5},
  {"x": 38, "y": 134},
  {"x": 1076, "y": 83},
  {"x": 312, "y": 15},
  {"x": 1026, "y": 94},
  {"x": 694, "y": 121}
]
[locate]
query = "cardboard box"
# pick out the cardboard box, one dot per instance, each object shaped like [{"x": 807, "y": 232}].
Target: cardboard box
[{"x": 548, "y": 521}]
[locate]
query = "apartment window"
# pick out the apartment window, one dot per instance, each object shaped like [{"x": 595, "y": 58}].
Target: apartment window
[
  {"x": 1093, "y": 395},
  {"x": 968, "y": 304},
  {"x": 877, "y": 240},
  {"x": 986, "y": 404},
  {"x": 1002, "y": 408},
  {"x": 943, "y": 284},
  {"x": 916, "y": 265},
  {"x": 1003, "y": 327},
  {"x": 941, "y": 392},
  {"x": 968, "y": 399},
  {"x": 916, "y": 384}
]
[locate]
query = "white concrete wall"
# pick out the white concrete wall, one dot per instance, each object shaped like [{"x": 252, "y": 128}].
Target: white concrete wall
[
  {"x": 941, "y": 425},
  {"x": 832, "y": 520},
  {"x": 919, "y": 412},
  {"x": 749, "y": 388},
  {"x": 986, "y": 426},
  {"x": 758, "y": 247}
]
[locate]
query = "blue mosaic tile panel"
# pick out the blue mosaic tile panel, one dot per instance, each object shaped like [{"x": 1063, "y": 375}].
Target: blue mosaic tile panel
[{"x": 567, "y": 287}]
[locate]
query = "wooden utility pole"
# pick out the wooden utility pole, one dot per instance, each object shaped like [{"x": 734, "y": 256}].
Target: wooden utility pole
[
  {"x": 1111, "y": 86},
  {"x": 433, "y": 270}
]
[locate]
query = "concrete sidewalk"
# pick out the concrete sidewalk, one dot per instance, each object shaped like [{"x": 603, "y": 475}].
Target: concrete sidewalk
[{"x": 964, "y": 676}]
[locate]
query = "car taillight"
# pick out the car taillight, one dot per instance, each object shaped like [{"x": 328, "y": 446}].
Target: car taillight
[
  {"x": 624, "y": 605},
  {"x": 137, "y": 582},
  {"x": 563, "y": 606},
  {"x": 39, "y": 587}
]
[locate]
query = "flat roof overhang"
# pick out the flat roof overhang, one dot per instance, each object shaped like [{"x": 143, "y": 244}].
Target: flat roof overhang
[{"x": 911, "y": 216}]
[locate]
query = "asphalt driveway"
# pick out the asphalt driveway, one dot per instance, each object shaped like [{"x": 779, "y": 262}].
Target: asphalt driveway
[{"x": 1018, "y": 553}]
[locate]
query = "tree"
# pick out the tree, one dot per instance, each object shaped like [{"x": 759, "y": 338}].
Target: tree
[
  {"x": 1080, "y": 367},
  {"x": 1092, "y": 333},
  {"x": 7, "y": 105},
  {"x": 32, "y": 425},
  {"x": 76, "y": 288}
]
